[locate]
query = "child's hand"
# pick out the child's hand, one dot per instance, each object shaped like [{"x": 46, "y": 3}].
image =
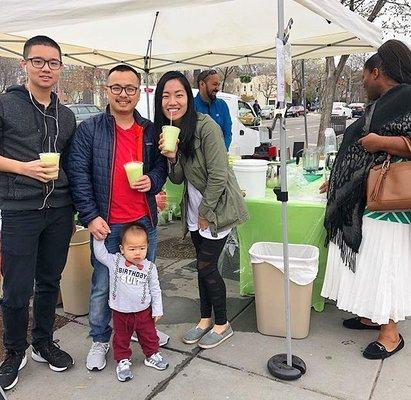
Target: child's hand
[{"x": 157, "y": 318}]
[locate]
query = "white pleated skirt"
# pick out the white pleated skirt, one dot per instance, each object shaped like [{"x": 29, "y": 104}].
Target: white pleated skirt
[{"x": 380, "y": 288}]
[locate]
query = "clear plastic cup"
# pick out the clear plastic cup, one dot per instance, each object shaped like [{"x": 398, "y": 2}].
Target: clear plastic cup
[
  {"x": 53, "y": 159},
  {"x": 134, "y": 170},
  {"x": 170, "y": 136}
]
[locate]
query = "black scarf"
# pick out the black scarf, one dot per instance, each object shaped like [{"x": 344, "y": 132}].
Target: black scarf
[{"x": 347, "y": 186}]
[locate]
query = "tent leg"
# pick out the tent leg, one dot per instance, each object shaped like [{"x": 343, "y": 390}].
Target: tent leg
[
  {"x": 304, "y": 93},
  {"x": 284, "y": 366}
]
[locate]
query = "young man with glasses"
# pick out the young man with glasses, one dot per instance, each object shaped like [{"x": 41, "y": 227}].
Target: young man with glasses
[
  {"x": 206, "y": 102},
  {"x": 37, "y": 211},
  {"x": 105, "y": 200}
]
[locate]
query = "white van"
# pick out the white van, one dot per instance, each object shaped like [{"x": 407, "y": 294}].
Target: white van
[{"x": 245, "y": 138}]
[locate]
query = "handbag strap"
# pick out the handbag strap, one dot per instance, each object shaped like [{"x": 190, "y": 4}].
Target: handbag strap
[{"x": 407, "y": 142}]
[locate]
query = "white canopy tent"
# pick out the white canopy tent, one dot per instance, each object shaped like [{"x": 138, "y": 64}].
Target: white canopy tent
[{"x": 188, "y": 34}]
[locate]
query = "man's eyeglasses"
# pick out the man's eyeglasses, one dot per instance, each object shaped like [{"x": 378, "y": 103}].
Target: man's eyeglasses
[
  {"x": 39, "y": 63},
  {"x": 205, "y": 74},
  {"x": 117, "y": 90}
]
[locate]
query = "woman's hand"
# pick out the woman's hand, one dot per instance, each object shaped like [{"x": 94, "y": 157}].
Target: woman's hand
[
  {"x": 373, "y": 143},
  {"x": 172, "y": 156},
  {"x": 202, "y": 224},
  {"x": 143, "y": 184},
  {"x": 324, "y": 187},
  {"x": 156, "y": 319}
]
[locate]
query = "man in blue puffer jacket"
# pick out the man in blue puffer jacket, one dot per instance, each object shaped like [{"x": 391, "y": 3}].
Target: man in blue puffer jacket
[{"x": 102, "y": 194}]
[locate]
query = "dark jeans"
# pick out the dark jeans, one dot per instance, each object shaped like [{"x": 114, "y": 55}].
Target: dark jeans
[
  {"x": 210, "y": 283},
  {"x": 34, "y": 249}
]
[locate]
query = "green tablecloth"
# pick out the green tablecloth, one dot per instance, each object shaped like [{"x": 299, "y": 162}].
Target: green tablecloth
[
  {"x": 305, "y": 225},
  {"x": 305, "y": 210},
  {"x": 174, "y": 195}
]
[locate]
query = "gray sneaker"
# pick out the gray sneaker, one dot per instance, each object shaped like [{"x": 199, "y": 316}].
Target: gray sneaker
[
  {"x": 96, "y": 357},
  {"x": 212, "y": 339},
  {"x": 193, "y": 335},
  {"x": 156, "y": 361},
  {"x": 163, "y": 338},
  {"x": 123, "y": 370}
]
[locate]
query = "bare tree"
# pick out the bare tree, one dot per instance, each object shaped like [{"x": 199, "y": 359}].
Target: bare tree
[
  {"x": 314, "y": 70},
  {"x": 77, "y": 83},
  {"x": 226, "y": 72},
  {"x": 370, "y": 9},
  {"x": 10, "y": 72},
  {"x": 267, "y": 87}
]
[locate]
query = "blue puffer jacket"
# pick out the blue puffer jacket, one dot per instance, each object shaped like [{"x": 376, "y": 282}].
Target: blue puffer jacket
[{"x": 91, "y": 160}]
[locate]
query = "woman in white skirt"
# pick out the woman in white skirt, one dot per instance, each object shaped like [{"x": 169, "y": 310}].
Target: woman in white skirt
[{"x": 369, "y": 260}]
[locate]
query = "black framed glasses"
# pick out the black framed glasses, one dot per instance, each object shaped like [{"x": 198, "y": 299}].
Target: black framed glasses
[
  {"x": 129, "y": 90},
  {"x": 39, "y": 63},
  {"x": 205, "y": 74}
]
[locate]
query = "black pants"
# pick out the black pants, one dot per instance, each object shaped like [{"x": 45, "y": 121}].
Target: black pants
[
  {"x": 34, "y": 249},
  {"x": 210, "y": 283}
]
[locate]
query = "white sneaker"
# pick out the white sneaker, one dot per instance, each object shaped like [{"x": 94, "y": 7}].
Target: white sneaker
[
  {"x": 123, "y": 370},
  {"x": 96, "y": 357},
  {"x": 163, "y": 338},
  {"x": 156, "y": 361}
]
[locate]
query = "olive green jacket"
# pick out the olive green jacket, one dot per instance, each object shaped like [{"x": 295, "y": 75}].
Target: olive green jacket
[{"x": 208, "y": 171}]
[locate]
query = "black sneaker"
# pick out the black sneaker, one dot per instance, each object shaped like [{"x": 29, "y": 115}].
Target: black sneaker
[
  {"x": 9, "y": 369},
  {"x": 51, "y": 353}
]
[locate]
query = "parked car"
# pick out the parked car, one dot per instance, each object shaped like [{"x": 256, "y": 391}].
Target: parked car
[
  {"x": 341, "y": 109},
  {"x": 358, "y": 109},
  {"x": 83, "y": 111},
  {"x": 267, "y": 112},
  {"x": 295, "y": 111}
]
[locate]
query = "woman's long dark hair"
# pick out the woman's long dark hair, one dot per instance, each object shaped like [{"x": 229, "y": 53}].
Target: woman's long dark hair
[
  {"x": 189, "y": 119},
  {"x": 394, "y": 59}
]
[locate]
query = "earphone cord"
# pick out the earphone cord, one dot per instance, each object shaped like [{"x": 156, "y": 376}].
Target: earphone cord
[{"x": 45, "y": 136}]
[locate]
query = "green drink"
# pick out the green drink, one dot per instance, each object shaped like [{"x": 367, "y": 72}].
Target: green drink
[
  {"x": 134, "y": 171},
  {"x": 54, "y": 160},
  {"x": 170, "y": 136}
]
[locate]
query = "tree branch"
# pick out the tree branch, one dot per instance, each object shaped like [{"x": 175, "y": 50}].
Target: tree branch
[
  {"x": 341, "y": 64},
  {"x": 376, "y": 10}
]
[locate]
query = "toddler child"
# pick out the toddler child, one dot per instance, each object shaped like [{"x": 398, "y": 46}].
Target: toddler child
[{"x": 135, "y": 298}]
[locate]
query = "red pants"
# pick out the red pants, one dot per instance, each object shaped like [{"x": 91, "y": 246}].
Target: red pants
[{"x": 125, "y": 324}]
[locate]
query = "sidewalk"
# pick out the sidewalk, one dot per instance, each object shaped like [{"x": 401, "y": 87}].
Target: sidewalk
[{"x": 235, "y": 370}]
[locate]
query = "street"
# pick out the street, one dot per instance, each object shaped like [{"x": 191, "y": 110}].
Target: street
[{"x": 295, "y": 130}]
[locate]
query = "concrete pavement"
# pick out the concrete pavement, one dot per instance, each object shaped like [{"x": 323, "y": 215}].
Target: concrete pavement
[{"x": 235, "y": 370}]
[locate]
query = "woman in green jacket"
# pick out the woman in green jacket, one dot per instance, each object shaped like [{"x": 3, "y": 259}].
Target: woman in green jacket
[{"x": 212, "y": 202}]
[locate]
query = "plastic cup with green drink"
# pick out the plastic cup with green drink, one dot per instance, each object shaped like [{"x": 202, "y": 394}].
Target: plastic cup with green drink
[
  {"x": 134, "y": 171},
  {"x": 53, "y": 159},
  {"x": 170, "y": 137}
]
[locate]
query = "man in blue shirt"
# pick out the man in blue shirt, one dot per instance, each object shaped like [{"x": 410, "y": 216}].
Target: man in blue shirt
[{"x": 206, "y": 102}]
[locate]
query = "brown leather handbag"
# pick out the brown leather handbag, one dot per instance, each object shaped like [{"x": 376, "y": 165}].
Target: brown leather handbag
[{"x": 389, "y": 185}]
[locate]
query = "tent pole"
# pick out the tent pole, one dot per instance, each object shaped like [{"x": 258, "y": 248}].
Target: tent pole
[
  {"x": 284, "y": 366},
  {"x": 147, "y": 63},
  {"x": 283, "y": 177},
  {"x": 304, "y": 93},
  {"x": 147, "y": 74}
]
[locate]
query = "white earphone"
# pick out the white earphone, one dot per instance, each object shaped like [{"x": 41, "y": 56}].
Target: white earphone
[{"x": 56, "y": 119}]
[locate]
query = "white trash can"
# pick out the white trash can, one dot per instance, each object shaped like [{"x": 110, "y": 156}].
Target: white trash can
[
  {"x": 75, "y": 282},
  {"x": 268, "y": 267}
]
